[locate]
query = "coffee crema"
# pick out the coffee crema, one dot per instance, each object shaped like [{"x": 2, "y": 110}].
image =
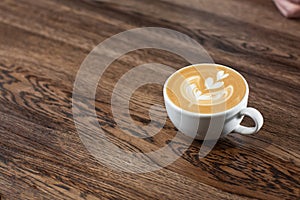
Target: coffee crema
[{"x": 206, "y": 88}]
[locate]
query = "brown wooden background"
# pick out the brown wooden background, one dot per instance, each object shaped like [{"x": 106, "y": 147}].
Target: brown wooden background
[{"x": 43, "y": 43}]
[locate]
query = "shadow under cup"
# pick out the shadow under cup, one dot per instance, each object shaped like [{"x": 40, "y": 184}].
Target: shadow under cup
[{"x": 208, "y": 101}]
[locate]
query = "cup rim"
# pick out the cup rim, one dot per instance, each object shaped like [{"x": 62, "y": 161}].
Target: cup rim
[{"x": 166, "y": 97}]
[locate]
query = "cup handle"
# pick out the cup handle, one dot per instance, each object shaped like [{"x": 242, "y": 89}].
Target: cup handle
[{"x": 256, "y": 116}]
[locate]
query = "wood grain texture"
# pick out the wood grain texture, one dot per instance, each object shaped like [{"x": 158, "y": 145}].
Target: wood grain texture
[{"x": 43, "y": 43}]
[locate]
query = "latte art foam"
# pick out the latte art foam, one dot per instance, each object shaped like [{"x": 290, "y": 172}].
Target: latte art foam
[
  {"x": 206, "y": 89},
  {"x": 205, "y": 96}
]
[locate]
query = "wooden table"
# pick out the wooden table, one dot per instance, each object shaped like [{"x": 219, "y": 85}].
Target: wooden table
[{"x": 42, "y": 45}]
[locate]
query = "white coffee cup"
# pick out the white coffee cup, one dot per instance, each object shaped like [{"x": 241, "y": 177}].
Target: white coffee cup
[{"x": 196, "y": 125}]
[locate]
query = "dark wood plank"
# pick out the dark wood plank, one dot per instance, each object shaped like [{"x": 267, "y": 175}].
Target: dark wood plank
[{"x": 42, "y": 44}]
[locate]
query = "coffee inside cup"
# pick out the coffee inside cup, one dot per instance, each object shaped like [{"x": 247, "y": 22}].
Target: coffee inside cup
[{"x": 206, "y": 89}]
